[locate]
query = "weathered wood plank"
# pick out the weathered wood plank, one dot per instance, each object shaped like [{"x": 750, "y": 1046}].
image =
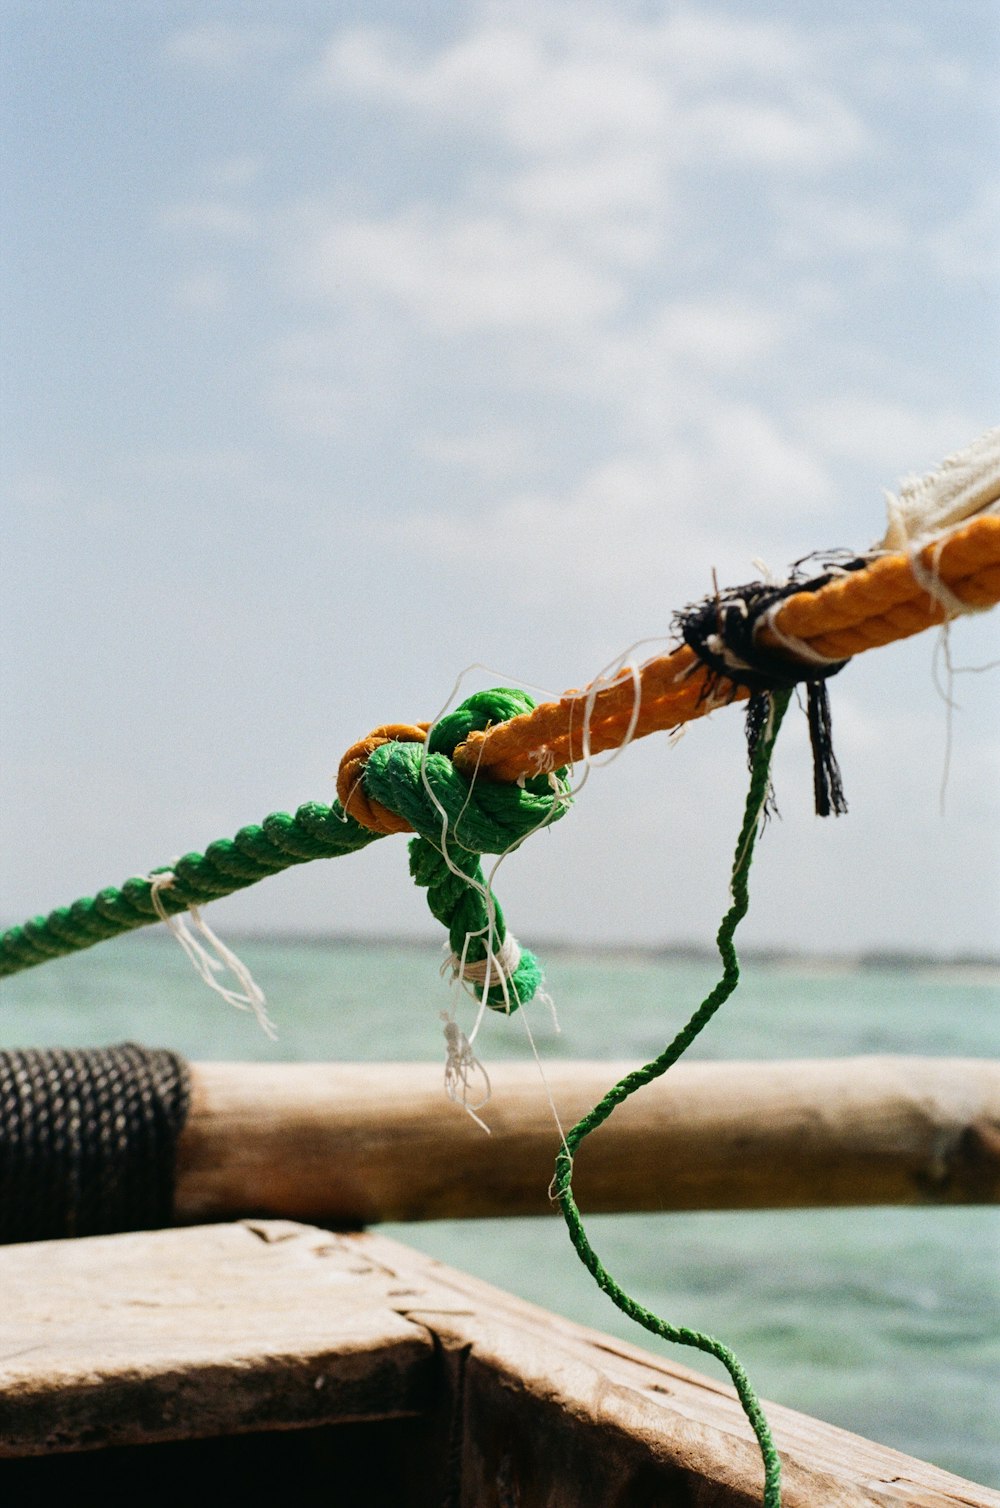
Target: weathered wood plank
[
  {"x": 358, "y": 1143},
  {"x": 140, "y": 1337},
  {"x": 650, "y": 1415},
  {"x": 190, "y": 1333}
]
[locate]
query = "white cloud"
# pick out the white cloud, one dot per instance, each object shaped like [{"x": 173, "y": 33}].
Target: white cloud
[
  {"x": 216, "y": 464},
  {"x": 636, "y": 526},
  {"x": 311, "y": 405},
  {"x": 721, "y": 334},
  {"x": 455, "y": 273},
  {"x": 596, "y": 126},
  {"x": 614, "y": 204},
  {"x": 553, "y": 81},
  {"x": 328, "y": 384},
  {"x": 809, "y": 132},
  {"x": 40, "y": 493},
  {"x": 234, "y": 172},
  {"x": 581, "y": 238},
  {"x": 896, "y": 439},
  {"x": 589, "y": 536}
]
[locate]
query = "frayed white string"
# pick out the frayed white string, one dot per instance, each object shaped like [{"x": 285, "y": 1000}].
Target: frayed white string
[
  {"x": 212, "y": 960},
  {"x": 928, "y": 578},
  {"x": 798, "y": 649},
  {"x": 946, "y": 691},
  {"x": 616, "y": 670},
  {"x": 501, "y": 960},
  {"x": 500, "y": 963},
  {"x": 503, "y": 964},
  {"x": 460, "y": 1069}
]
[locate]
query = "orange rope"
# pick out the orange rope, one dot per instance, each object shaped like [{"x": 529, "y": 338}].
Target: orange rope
[
  {"x": 350, "y": 790},
  {"x": 860, "y": 610}
]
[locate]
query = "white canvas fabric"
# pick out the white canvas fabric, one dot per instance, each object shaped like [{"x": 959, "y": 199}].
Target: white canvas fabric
[{"x": 965, "y": 485}]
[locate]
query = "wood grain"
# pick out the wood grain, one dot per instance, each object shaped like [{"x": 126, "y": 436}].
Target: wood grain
[
  {"x": 117, "y": 1341},
  {"x": 353, "y": 1144}
]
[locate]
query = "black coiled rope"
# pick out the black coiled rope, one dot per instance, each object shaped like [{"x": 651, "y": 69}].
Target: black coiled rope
[{"x": 88, "y": 1140}]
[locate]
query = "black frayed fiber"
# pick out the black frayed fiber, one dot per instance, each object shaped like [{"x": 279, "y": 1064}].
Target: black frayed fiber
[
  {"x": 722, "y": 632},
  {"x": 827, "y": 786}
]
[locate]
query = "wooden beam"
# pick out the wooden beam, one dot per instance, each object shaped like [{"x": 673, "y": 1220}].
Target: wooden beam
[
  {"x": 122, "y": 1351},
  {"x": 353, "y": 1144}
]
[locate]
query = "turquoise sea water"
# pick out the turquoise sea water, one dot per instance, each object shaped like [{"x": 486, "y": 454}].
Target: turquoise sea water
[{"x": 883, "y": 1321}]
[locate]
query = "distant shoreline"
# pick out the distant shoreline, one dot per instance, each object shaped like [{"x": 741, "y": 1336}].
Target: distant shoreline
[{"x": 866, "y": 959}]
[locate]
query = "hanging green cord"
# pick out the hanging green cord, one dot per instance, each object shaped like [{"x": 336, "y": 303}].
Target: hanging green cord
[{"x": 562, "y": 1183}]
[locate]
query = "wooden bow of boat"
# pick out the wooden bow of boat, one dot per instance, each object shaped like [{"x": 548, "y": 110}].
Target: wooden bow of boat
[
  {"x": 368, "y": 1371},
  {"x": 378, "y": 1377}
]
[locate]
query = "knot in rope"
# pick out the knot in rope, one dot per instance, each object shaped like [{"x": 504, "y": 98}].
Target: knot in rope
[
  {"x": 350, "y": 777},
  {"x": 725, "y": 632},
  {"x": 401, "y": 778},
  {"x": 728, "y": 633}
]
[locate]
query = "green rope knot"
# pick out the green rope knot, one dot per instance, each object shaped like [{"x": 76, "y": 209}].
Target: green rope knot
[{"x": 457, "y": 821}]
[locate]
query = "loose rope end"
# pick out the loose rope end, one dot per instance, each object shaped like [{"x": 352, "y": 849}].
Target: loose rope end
[{"x": 211, "y": 960}]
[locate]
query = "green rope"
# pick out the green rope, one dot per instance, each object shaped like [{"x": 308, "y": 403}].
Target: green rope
[
  {"x": 456, "y": 821},
  {"x": 228, "y": 865},
  {"x": 562, "y": 1184}
]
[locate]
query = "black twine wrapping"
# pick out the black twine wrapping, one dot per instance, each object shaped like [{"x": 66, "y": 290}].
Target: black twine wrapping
[
  {"x": 88, "y": 1140},
  {"x": 722, "y": 631}
]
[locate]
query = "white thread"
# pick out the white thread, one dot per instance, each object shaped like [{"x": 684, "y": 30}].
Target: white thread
[
  {"x": 461, "y": 1065},
  {"x": 504, "y": 962},
  {"x": 942, "y": 649},
  {"x": 539, "y": 995},
  {"x": 207, "y": 964},
  {"x": 717, "y": 645},
  {"x": 543, "y": 759},
  {"x": 765, "y": 572},
  {"x": 928, "y": 578},
  {"x": 798, "y": 649},
  {"x": 613, "y": 672},
  {"x": 688, "y": 670}
]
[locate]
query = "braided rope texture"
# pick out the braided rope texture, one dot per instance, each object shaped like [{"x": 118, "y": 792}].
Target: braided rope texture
[
  {"x": 756, "y": 802},
  {"x": 458, "y": 818},
  {"x": 228, "y": 865},
  {"x": 862, "y": 610},
  {"x": 88, "y": 1140},
  {"x": 503, "y": 735},
  {"x": 403, "y": 780}
]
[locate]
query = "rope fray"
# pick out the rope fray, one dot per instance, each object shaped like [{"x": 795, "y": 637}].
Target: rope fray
[
  {"x": 491, "y": 970},
  {"x": 211, "y": 960},
  {"x": 930, "y": 508},
  {"x": 966, "y": 485},
  {"x": 461, "y": 1071}
]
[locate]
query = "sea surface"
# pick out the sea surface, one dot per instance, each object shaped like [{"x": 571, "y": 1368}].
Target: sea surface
[{"x": 885, "y": 1321}]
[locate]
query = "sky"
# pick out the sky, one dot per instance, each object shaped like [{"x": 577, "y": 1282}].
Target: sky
[{"x": 349, "y": 346}]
